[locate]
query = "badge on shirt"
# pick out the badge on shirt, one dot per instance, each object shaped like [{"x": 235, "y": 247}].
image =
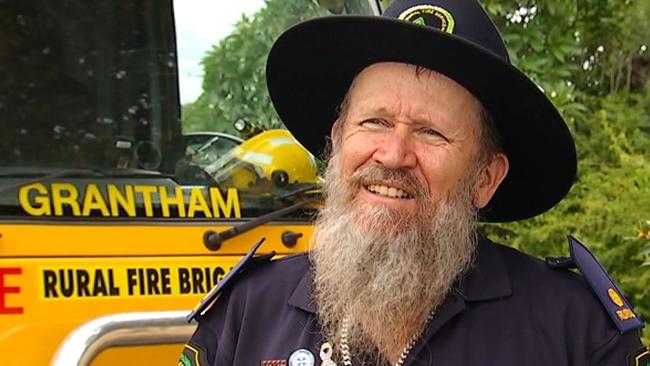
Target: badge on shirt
[
  {"x": 274, "y": 363},
  {"x": 302, "y": 357},
  {"x": 640, "y": 357},
  {"x": 193, "y": 355}
]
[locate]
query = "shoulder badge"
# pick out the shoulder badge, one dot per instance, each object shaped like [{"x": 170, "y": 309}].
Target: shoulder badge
[
  {"x": 249, "y": 260},
  {"x": 617, "y": 306},
  {"x": 193, "y": 355},
  {"x": 640, "y": 357}
]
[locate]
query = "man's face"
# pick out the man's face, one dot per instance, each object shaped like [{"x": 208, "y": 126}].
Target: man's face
[
  {"x": 402, "y": 188},
  {"x": 425, "y": 125}
]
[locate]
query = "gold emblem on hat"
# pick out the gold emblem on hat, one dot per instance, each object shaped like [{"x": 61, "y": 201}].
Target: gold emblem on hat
[
  {"x": 440, "y": 17},
  {"x": 616, "y": 298}
]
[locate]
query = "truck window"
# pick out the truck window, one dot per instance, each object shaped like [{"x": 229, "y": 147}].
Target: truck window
[
  {"x": 147, "y": 109},
  {"x": 131, "y": 133}
]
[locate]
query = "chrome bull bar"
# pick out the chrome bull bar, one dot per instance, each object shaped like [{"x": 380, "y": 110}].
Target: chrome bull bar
[{"x": 124, "y": 329}]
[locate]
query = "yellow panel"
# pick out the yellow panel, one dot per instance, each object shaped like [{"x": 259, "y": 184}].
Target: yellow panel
[
  {"x": 44, "y": 299},
  {"x": 137, "y": 238},
  {"x": 167, "y": 354}
]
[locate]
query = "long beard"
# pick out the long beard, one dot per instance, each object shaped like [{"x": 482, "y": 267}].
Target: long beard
[{"x": 383, "y": 269}]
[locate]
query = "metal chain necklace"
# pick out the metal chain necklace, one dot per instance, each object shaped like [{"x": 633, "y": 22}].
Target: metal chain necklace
[{"x": 345, "y": 348}]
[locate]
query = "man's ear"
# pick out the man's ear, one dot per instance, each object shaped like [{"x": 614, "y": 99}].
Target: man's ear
[
  {"x": 491, "y": 176},
  {"x": 336, "y": 133},
  {"x": 335, "y": 130}
]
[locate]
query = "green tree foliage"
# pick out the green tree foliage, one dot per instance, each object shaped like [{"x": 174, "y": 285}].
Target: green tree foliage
[
  {"x": 234, "y": 84},
  {"x": 589, "y": 57}
]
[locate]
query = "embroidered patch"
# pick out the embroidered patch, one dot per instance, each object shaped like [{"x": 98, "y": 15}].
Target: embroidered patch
[
  {"x": 640, "y": 357},
  {"x": 625, "y": 314},
  {"x": 431, "y": 16},
  {"x": 615, "y": 297},
  {"x": 184, "y": 360},
  {"x": 193, "y": 355},
  {"x": 274, "y": 363}
]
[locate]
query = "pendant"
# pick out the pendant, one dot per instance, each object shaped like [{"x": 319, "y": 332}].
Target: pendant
[{"x": 326, "y": 353}]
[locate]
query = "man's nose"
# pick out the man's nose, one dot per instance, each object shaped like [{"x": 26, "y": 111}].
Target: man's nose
[{"x": 396, "y": 149}]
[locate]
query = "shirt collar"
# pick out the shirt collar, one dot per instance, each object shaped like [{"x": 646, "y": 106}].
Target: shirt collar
[
  {"x": 302, "y": 296},
  {"x": 486, "y": 279}
]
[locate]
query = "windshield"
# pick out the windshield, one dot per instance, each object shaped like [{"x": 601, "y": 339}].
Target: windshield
[
  {"x": 147, "y": 108},
  {"x": 85, "y": 83}
]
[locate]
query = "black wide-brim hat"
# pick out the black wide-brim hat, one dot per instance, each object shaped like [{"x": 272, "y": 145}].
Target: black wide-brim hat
[{"x": 312, "y": 65}]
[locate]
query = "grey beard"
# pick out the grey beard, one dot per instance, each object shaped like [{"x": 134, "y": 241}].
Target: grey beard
[{"x": 384, "y": 269}]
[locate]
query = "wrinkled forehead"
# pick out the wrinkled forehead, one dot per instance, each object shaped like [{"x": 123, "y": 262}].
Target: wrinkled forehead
[
  {"x": 387, "y": 73},
  {"x": 418, "y": 89}
]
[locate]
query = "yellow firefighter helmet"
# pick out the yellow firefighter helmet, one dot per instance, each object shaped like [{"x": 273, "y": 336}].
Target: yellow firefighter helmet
[{"x": 272, "y": 156}]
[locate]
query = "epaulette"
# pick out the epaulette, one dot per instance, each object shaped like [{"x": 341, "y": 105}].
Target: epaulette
[
  {"x": 617, "y": 306},
  {"x": 245, "y": 263}
]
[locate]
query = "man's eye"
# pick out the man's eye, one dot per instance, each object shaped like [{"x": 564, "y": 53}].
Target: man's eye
[
  {"x": 374, "y": 123},
  {"x": 429, "y": 132}
]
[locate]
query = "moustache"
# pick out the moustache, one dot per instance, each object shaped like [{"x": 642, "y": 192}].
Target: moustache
[{"x": 401, "y": 178}]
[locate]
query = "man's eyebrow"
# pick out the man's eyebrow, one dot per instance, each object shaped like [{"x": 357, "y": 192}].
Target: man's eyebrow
[
  {"x": 374, "y": 109},
  {"x": 382, "y": 111}
]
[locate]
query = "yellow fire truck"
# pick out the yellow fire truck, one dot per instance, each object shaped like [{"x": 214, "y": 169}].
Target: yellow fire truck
[{"x": 111, "y": 213}]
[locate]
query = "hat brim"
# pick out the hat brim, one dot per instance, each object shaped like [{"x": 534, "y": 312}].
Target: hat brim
[{"x": 312, "y": 65}]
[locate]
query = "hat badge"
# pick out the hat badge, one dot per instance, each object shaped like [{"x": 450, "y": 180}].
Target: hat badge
[{"x": 430, "y": 16}]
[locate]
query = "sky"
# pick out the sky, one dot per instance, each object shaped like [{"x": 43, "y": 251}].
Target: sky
[{"x": 199, "y": 25}]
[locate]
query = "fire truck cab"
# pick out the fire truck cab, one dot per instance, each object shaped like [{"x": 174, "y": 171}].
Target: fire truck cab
[{"x": 124, "y": 188}]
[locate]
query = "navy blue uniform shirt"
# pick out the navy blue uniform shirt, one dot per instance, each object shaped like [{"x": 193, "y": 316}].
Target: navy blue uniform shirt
[{"x": 508, "y": 309}]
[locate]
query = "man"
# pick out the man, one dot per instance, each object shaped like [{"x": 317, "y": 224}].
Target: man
[{"x": 435, "y": 131}]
